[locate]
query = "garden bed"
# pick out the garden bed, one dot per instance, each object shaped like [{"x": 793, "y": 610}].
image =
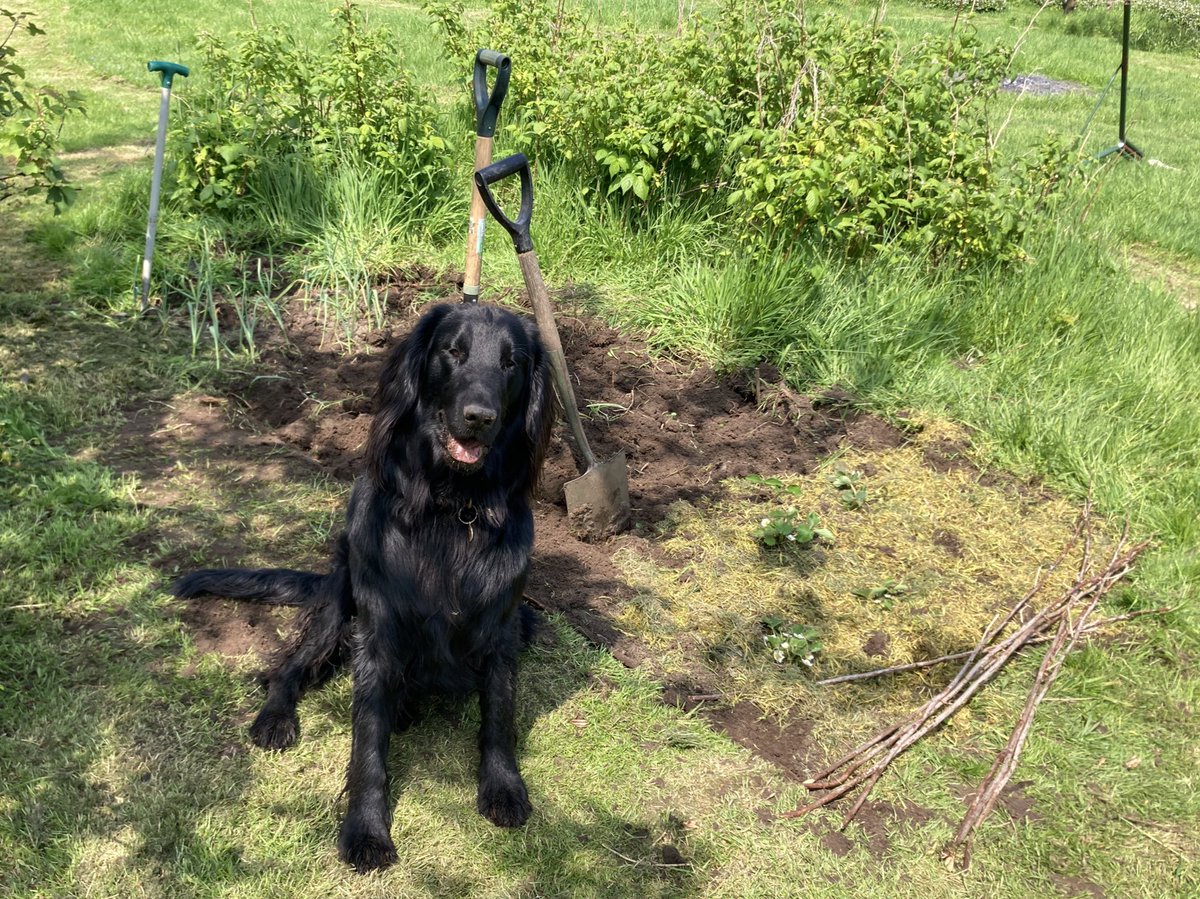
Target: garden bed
[{"x": 686, "y": 591}]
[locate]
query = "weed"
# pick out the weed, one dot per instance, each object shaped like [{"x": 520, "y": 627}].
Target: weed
[
  {"x": 778, "y": 484},
  {"x": 607, "y": 411}
]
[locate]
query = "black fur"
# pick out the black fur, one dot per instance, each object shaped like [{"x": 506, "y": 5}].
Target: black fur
[{"x": 425, "y": 587}]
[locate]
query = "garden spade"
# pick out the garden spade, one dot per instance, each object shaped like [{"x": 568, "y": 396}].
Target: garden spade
[
  {"x": 487, "y": 108},
  {"x": 169, "y": 70},
  {"x": 598, "y": 500}
]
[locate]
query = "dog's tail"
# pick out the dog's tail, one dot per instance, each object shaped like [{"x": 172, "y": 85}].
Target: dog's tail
[{"x": 276, "y": 586}]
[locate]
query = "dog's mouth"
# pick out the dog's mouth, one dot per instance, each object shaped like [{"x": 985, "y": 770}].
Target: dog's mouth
[{"x": 465, "y": 452}]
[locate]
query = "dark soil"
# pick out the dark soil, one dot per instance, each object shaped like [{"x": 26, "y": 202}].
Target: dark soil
[
  {"x": 877, "y": 644},
  {"x": 683, "y": 428}
]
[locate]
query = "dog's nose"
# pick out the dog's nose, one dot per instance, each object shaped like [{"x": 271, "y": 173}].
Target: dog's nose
[{"x": 479, "y": 416}]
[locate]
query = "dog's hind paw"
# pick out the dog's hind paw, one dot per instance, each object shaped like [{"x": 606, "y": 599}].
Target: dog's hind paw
[
  {"x": 365, "y": 851},
  {"x": 505, "y": 802},
  {"x": 275, "y": 730}
]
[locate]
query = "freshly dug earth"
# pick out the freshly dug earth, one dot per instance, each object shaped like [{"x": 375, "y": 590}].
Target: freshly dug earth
[{"x": 683, "y": 428}]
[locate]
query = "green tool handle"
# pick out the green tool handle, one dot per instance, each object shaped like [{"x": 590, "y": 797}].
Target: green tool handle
[{"x": 169, "y": 71}]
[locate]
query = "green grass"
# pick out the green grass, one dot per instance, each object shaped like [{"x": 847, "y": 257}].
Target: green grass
[{"x": 123, "y": 752}]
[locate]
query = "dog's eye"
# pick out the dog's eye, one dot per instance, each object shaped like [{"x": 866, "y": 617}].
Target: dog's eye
[
  {"x": 507, "y": 365},
  {"x": 456, "y": 354}
]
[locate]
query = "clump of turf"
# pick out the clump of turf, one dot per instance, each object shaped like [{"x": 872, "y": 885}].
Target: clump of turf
[{"x": 925, "y": 550}]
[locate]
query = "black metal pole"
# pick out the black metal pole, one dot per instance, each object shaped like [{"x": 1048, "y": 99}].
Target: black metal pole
[
  {"x": 1124, "y": 147},
  {"x": 1124, "y": 70}
]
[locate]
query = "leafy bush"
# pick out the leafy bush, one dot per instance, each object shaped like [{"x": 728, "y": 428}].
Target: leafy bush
[
  {"x": 31, "y": 120},
  {"x": 277, "y": 96},
  {"x": 806, "y": 128},
  {"x": 877, "y": 145},
  {"x": 627, "y": 110}
]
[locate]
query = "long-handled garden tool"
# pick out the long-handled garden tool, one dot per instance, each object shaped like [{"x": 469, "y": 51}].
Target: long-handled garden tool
[
  {"x": 598, "y": 500},
  {"x": 169, "y": 70},
  {"x": 487, "y": 108}
]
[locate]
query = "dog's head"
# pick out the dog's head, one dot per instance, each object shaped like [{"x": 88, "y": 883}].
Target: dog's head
[{"x": 471, "y": 385}]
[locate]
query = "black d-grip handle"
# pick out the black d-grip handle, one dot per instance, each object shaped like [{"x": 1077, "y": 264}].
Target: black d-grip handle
[
  {"x": 487, "y": 106},
  {"x": 498, "y": 171}
]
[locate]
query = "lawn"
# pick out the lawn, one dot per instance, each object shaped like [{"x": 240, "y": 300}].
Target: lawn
[{"x": 975, "y": 410}]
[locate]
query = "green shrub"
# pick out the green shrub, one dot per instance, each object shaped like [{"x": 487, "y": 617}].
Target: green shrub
[
  {"x": 803, "y": 128},
  {"x": 30, "y": 122},
  {"x": 874, "y": 145},
  {"x": 276, "y": 98},
  {"x": 628, "y": 111}
]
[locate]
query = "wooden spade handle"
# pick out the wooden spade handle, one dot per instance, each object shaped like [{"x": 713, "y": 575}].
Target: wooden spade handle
[
  {"x": 474, "y": 267},
  {"x": 544, "y": 314}
]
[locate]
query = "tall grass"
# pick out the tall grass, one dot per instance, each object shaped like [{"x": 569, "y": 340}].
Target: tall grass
[{"x": 367, "y": 226}]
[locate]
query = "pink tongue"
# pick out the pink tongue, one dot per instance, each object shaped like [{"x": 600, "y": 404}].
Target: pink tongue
[{"x": 468, "y": 454}]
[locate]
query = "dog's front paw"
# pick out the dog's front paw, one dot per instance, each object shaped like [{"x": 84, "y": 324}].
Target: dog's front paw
[
  {"x": 275, "y": 730},
  {"x": 504, "y": 801},
  {"x": 365, "y": 849}
]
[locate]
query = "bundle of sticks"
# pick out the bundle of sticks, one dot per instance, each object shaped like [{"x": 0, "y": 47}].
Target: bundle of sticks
[{"x": 1060, "y": 623}]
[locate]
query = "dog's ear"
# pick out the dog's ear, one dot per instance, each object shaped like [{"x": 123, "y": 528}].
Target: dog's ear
[
  {"x": 400, "y": 389},
  {"x": 541, "y": 405}
]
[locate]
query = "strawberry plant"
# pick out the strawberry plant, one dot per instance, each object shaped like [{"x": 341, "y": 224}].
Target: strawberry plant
[
  {"x": 790, "y": 643},
  {"x": 884, "y": 594},
  {"x": 783, "y": 526}
]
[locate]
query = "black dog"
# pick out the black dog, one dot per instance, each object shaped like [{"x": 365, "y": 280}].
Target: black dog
[{"x": 425, "y": 589}]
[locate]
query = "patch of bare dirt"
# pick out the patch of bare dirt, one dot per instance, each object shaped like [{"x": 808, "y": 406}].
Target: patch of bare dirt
[
  {"x": 1172, "y": 273},
  {"x": 234, "y": 629},
  {"x": 877, "y": 644},
  {"x": 89, "y": 164},
  {"x": 788, "y": 746},
  {"x": 873, "y": 826},
  {"x": 1077, "y": 887},
  {"x": 1021, "y": 807}
]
